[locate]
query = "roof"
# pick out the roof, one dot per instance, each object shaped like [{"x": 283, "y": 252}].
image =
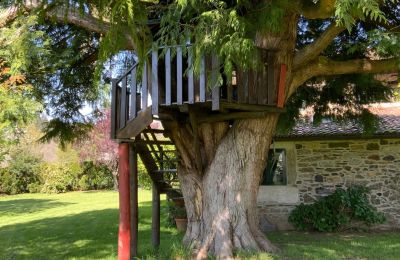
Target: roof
[{"x": 389, "y": 126}]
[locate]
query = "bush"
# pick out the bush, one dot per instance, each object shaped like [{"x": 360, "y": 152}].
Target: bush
[
  {"x": 95, "y": 177},
  {"x": 336, "y": 210},
  {"x": 20, "y": 173},
  {"x": 59, "y": 177}
]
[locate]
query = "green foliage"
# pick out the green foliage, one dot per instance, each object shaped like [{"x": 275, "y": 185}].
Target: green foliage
[
  {"x": 21, "y": 174},
  {"x": 349, "y": 11},
  {"x": 59, "y": 177},
  {"x": 95, "y": 177},
  {"x": 144, "y": 179},
  {"x": 336, "y": 211}
]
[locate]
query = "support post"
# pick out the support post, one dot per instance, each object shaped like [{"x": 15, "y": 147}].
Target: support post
[
  {"x": 133, "y": 161},
  {"x": 155, "y": 223},
  {"x": 124, "y": 232}
]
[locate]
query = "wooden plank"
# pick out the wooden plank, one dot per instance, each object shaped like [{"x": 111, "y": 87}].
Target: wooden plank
[
  {"x": 133, "y": 111},
  {"x": 123, "y": 105},
  {"x": 263, "y": 78},
  {"x": 113, "y": 108},
  {"x": 144, "y": 87},
  {"x": 179, "y": 94},
  {"x": 155, "y": 220},
  {"x": 271, "y": 79},
  {"x": 281, "y": 88},
  {"x": 133, "y": 163},
  {"x": 190, "y": 77},
  {"x": 249, "y": 107},
  {"x": 234, "y": 116},
  {"x": 168, "y": 77},
  {"x": 215, "y": 88},
  {"x": 202, "y": 80},
  {"x": 252, "y": 87},
  {"x": 137, "y": 125},
  {"x": 154, "y": 82}
]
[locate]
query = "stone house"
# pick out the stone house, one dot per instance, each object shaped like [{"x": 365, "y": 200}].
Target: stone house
[{"x": 315, "y": 160}]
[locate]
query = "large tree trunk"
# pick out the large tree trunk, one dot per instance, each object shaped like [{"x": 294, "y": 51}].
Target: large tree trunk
[
  {"x": 221, "y": 166},
  {"x": 221, "y": 199}
]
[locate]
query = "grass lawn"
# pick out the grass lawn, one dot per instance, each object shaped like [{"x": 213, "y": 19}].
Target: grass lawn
[{"x": 84, "y": 225}]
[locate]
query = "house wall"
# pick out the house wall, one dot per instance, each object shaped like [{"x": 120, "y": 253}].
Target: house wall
[{"x": 316, "y": 168}]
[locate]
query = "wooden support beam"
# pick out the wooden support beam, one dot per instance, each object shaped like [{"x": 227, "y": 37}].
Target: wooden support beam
[
  {"x": 137, "y": 125},
  {"x": 133, "y": 162},
  {"x": 154, "y": 82},
  {"x": 124, "y": 232},
  {"x": 250, "y": 107},
  {"x": 155, "y": 221},
  {"x": 233, "y": 116}
]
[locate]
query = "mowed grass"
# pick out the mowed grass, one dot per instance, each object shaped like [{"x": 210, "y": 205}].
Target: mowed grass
[{"x": 84, "y": 225}]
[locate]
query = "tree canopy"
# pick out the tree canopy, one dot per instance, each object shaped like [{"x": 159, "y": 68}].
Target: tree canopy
[{"x": 62, "y": 46}]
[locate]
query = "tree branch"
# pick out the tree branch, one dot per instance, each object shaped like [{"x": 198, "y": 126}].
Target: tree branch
[
  {"x": 326, "y": 67},
  {"x": 322, "y": 9},
  {"x": 312, "y": 51},
  {"x": 62, "y": 15}
]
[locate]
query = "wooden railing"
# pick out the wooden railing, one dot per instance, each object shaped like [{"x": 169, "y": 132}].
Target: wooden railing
[{"x": 168, "y": 79}]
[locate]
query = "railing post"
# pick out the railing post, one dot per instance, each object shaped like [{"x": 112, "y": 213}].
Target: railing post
[
  {"x": 179, "y": 96},
  {"x": 133, "y": 94},
  {"x": 154, "y": 82},
  {"x": 144, "y": 86},
  {"x": 202, "y": 80},
  {"x": 214, "y": 80},
  {"x": 190, "y": 76},
  {"x": 122, "y": 119},
  {"x": 113, "y": 108},
  {"x": 168, "y": 77}
]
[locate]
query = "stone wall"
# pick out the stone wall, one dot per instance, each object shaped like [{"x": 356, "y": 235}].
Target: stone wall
[{"x": 323, "y": 166}]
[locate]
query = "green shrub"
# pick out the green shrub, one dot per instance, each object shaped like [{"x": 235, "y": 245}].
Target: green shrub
[
  {"x": 143, "y": 177},
  {"x": 336, "y": 210},
  {"x": 95, "y": 177},
  {"x": 59, "y": 177},
  {"x": 21, "y": 171}
]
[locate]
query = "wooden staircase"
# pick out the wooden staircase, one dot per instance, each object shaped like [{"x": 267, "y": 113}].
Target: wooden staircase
[{"x": 160, "y": 158}]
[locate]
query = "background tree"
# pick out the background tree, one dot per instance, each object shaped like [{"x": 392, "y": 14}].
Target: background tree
[
  {"x": 97, "y": 147},
  {"x": 319, "y": 41}
]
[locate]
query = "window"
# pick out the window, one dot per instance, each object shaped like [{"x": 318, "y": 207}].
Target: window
[{"x": 275, "y": 172}]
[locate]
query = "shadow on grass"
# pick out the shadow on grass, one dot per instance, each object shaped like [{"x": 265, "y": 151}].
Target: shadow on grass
[
  {"x": 88, "y": 235},
  {"x": 18, "y": 206}
]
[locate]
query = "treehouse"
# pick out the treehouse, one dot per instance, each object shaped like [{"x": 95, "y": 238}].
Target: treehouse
[{"x": 166, "y": 87}]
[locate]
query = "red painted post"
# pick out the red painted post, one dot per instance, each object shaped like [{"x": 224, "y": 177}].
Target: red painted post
[{"x": 124, "y": 233}]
